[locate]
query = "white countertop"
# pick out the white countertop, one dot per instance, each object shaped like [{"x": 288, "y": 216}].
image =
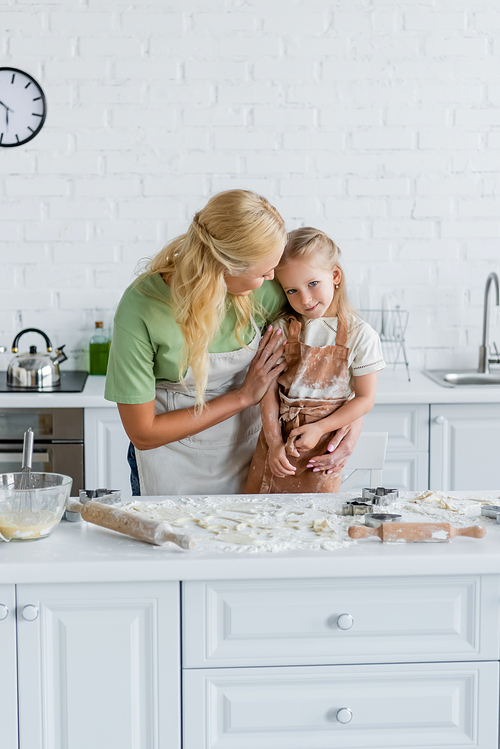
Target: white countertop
[
  {"x": 80, "y": 552},
  {"x": 92, "y": 396},
  {"x": 392, "y": 387}
]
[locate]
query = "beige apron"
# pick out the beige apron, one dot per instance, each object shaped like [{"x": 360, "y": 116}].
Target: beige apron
[
  {"x": 216, "y": 460},
  {"x": 320, "y": 371}
]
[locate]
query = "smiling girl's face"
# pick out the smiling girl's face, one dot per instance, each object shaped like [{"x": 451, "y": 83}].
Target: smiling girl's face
[{"x": 309, "y": 289}]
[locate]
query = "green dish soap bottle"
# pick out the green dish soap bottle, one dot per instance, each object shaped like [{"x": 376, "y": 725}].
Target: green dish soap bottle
[{"x": 98, "y": 351}]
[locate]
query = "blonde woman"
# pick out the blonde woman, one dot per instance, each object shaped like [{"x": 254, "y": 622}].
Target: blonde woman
[{"x": 188, "y": 366}]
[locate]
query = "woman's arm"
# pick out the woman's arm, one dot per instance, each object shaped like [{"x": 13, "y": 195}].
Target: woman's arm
[
  {"x": 365, "y": 388},
  {"x": 147, "y": 430},
  {"x": 339, "y": 450}
]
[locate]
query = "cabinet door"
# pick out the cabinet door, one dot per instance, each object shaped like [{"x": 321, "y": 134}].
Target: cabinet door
[
  {"x": 408, "y": 472},
  {"x": 99, "y": 666},
  {"x": 343, "y": 707},
  {"x": 8, "y": 679},
  {"x": 106, "y": 446},
  {"x": 407, "y": 425},
  {"x": 407, "y": 459},
  {"x": 464, "y": 448}
]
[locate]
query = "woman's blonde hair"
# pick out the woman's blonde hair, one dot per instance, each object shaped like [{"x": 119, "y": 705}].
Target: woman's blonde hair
[
  {"x": 314, "y": 246},
  {"x": 235, "y": 231}
]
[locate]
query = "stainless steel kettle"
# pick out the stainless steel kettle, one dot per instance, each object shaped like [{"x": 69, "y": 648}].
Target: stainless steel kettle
[{"x": 34, "y": 371}]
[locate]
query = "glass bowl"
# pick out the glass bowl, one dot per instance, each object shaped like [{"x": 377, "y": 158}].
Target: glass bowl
[{"x": 32, "y": 513}]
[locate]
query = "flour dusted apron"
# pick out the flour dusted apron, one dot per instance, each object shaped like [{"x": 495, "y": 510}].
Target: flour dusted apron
[
  {"x": 320, "y": 374},
  {"x": 216, "y": 460}
]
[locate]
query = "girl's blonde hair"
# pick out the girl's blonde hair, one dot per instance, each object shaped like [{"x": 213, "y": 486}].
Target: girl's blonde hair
[
  {"x": 235, "y": 231},
  {"x": 314, "y": 246}
]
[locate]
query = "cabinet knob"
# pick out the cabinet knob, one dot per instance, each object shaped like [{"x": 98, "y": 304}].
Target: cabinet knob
[
  {"x": 30, "y": 613},
  {"x": 345, "y": 621},
  {"x": 439, "y": 419},
  {"x": 4, "y": 612},
  {"x": 344, "y": 715}
]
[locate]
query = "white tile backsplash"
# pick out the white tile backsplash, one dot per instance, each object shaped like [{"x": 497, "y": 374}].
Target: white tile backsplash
[{"x": 377, "y": 121}]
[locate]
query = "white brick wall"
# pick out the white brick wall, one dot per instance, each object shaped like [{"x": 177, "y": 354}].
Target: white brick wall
[{"x": 376, "y": 120}]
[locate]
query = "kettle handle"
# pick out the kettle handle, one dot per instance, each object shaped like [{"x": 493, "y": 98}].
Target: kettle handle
[{"x": 30, "y": 330}]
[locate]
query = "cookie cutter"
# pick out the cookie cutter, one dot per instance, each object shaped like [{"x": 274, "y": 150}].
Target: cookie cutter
[
  {"x": 379, "y": 495},
  {"x": 106, "y": 496},
  {"x": 373, "y": 520},
  {"x": 370, "y": 498},
  {"x": 355, "y": 507},
  {"x": 491, "y": 511}
]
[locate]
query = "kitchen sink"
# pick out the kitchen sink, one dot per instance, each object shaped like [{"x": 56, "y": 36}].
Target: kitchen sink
[{"x": 463, "y": 377}]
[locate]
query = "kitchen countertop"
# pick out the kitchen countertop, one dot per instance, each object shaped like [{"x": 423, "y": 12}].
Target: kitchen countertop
[
  {"x": 92, "y": 396},
  {"x": 392, "y": 388},
  {"x": 80, "y": 552}
]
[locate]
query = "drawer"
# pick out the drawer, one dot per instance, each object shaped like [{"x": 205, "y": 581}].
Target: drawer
[
  {"x": 412, "y": 705},
  {"x": 307, "y": 622},
  {"x": 407, "y": 425}
]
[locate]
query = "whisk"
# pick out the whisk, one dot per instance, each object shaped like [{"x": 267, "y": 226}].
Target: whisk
[{"x": 25, "y": 482}]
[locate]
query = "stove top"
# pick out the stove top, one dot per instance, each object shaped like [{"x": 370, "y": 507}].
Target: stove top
[{"x": 71, "y": 382}]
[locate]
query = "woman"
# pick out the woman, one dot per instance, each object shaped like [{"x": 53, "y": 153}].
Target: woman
[{"x": 188, "y": 366}]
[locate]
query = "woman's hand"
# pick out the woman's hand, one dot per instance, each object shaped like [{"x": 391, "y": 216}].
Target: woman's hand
[
  {"x": 265, "y": 367},
  {"x": 340, "y": 449},
  {"x": 278, "y": 462},
  {"x": 307, "y": 436}
]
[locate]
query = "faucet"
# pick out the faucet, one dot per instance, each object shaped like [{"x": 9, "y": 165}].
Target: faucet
[{"x": 484, "y": 349}]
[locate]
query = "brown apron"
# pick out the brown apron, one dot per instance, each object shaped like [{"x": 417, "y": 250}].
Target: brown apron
[{"x": 317, "y": 369}]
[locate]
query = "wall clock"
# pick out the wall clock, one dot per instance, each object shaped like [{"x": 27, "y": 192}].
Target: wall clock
[{"x": 23, "y": 107}]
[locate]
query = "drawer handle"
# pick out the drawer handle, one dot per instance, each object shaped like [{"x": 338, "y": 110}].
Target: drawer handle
[
  {"x": 30, "y": 613},
  {"x": 4, "y": 612},
  {"x": 345, "y": 621},
  {"x": 439, "y": 419},
  {"x": 344, "y": 715}
]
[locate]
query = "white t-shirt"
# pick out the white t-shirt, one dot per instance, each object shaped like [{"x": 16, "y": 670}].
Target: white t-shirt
[{"x": 365, "y": 351}]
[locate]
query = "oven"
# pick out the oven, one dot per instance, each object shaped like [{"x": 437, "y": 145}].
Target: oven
[{"x": 58, "y": 445}]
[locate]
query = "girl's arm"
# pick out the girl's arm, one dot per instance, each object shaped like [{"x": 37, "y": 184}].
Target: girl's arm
[
  {"x": 270, "y": 412},
  {"x": 147, "y": 430},
  {"x": 365, "y": 388}
]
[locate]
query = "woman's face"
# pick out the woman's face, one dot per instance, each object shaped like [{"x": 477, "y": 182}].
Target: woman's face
[{"x": 254, "y": 277}]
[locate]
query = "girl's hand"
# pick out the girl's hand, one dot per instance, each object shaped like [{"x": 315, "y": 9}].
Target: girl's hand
[
  {"x": 340, "y": 449},
  {"x": 265, "y": 367},
  {"x": 279, "y": 463},
  {"x": 307, "y": 436}
]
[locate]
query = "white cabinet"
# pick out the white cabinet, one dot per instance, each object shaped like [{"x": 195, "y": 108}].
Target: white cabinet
[
  {"x": 341, "y": 663},
  {"x": 407, "y": 458},
  {"x": 8, "y": 676},
  {"x": 98, "y": 666},
  {"x": 106, "y": 446},
  {"x": 464, "y": 448},
  {"x": 420, "y": 706}
]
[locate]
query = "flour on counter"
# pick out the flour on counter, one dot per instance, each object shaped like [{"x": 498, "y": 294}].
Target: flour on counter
[
  {"x": 276, "y": 523},
  {"x": 430, "y": 500},
  {"x": 253, "y": 524}
]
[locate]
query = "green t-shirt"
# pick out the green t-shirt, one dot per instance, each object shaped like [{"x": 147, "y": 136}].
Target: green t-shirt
[{"x": 147, "y": 342}]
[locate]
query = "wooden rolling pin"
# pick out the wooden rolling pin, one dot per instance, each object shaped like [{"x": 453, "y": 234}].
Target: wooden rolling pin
[
  {"x": 145, "y": 529},
  {"x": 416, "y": 531}
]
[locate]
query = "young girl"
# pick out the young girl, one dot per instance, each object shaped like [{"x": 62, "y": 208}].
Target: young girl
[{"x": 332, "y": 358}]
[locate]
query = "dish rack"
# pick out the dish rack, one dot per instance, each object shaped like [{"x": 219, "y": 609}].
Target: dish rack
[{"x": 391, "y": 326}]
